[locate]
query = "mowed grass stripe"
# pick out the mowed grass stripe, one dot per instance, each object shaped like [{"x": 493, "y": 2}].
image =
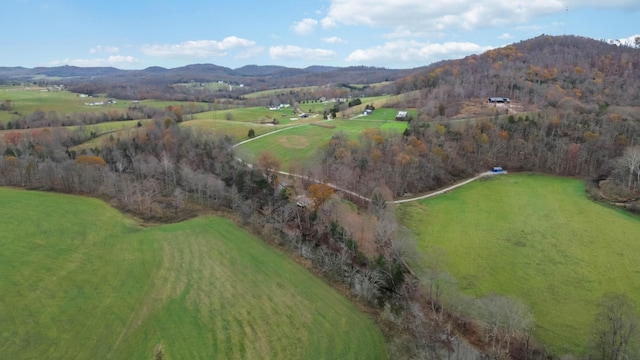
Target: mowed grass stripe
[
  {"x": 537, "y": 238},
  {"x": 82, "y": 281}
]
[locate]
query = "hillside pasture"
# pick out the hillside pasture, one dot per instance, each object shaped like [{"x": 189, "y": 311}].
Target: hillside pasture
[
  {"x": 256, "y": 114},
  {"x": 80, "y": 280},
  {"x": 389, "y": 114},
  {"x": 536, "y": 238},
  {"x": 27, "y": 100},
  {"x": 302, "y": 142}
]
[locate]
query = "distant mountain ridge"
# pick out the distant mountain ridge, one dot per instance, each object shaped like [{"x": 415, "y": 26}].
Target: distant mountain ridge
[
  {"x": 195, "y": 70},
  {"x": 155, "y": 80}
]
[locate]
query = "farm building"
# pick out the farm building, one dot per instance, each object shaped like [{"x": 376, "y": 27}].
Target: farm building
[{"x": 402, "y": 115}]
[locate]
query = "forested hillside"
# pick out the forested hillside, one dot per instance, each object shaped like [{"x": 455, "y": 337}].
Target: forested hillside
[
  {"x": 563, "y": 72},
  {"x": 574, "y": 110}
]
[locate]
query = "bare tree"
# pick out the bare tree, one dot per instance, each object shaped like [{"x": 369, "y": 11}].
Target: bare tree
[
  {"x": 630, "y": 163},
  {"x": 615, "y": 329}
]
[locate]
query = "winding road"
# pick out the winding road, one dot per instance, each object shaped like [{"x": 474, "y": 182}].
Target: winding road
[{"x": 343, "y": 190}]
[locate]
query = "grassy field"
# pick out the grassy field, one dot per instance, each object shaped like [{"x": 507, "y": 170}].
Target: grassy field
[
  {"x": 27, "y": 100},
  {"x": 249, "y": 114},
  {"x": 80, "y": 280},
  {"x": 537, "y": 238},
  {"x": 301, "y": 143}
]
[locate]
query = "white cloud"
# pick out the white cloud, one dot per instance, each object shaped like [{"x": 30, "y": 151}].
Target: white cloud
[
  {"x": 411, "y": 51},
  {"x": 114, "y": 60},
  {"x": 505, "y": 36},
  {"x": 418, "y": 16},
  {"x": 618, "y": 4},
  {"x": 104, "y": 49},
  {"x": 198, "y": 48},
  {"x": 328, "y": 23},
  {"x": 305, "y": 27},
  {"x": 334, "y": 40},
  {"x": 289, "y": 52}
]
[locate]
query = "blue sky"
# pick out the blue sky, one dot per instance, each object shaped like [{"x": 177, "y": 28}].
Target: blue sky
[{"x": 135, "y": 34}]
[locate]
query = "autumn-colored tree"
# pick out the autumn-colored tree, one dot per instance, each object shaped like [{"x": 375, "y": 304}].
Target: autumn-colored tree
[
  {"x": 12, "y": 138},
  {"x": 90, "y": 160},
  {"x": 268, "y": 161},
  {"x": 320, "y": 193},
  {"x": 504, "y": 135}
]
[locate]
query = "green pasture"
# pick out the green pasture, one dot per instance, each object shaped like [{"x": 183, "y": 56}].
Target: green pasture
[
  {"x": 110, "y": 126},
  {"x": 301, "y": 143},
  {"x": 235, "y": 129},
  {"x": 389, "y": 114},
  {"x": 80, "y": 281},
  {"x": 316, "y": 107},
  {"x": 255, "y": 114},
  {"x": 537, "y": 238},
  {"x": 120, "y": 129},
  {"x": 27, "y": 100}
]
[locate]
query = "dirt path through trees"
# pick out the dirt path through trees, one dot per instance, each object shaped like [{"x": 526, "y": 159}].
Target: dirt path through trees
[{"x": 337, "y": 188}]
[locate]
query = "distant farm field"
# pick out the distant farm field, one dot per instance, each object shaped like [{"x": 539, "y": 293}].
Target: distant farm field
[
  {"x": 80, "y": 280},
  {"x": 537, "y": 238},
  {"x": 302, "y": 142},
  {"x": 27, "y": 100}
]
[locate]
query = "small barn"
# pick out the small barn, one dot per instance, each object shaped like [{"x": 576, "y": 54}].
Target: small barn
[{"x": 402, "y": 116}]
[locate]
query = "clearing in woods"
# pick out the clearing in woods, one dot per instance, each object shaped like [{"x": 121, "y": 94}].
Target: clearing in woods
[{"x": 537, "y": 238}]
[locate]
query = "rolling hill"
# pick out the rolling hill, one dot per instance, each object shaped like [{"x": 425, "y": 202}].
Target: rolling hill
[{"x": 80, "y": 280}]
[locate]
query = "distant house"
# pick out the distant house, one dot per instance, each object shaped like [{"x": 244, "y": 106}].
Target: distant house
[
  {"x": 499, "y": 100},
  {"x": 402, "y": 116}
]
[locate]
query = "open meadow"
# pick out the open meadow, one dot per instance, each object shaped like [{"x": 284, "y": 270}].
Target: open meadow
[
  {"x": 539, "y": 239},
  {"x": 27, "y": 100},
  {"x": 81, "y": 280},
  {"x": 302, "y": 142}
]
